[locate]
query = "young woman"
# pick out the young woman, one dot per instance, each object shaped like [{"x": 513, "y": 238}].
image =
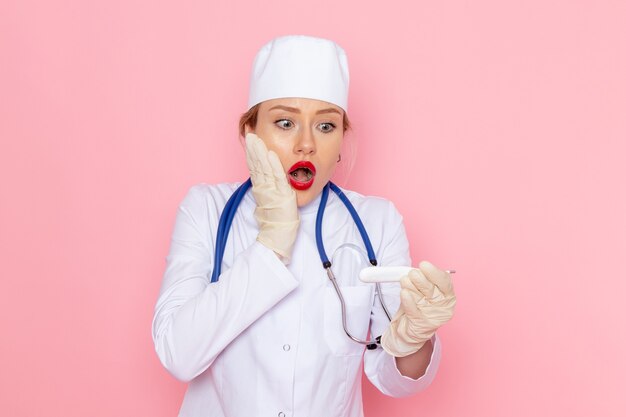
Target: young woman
[{"x": 268, "y": 338}]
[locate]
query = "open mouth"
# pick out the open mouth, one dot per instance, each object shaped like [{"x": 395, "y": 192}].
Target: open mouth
[{"x": 302, "y": 175}]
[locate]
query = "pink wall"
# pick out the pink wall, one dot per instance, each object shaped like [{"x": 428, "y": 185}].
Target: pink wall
[{"x": 498, "y": 128}]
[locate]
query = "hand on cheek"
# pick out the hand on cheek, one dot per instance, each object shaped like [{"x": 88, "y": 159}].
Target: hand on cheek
[{"x": 277, "y": 210}]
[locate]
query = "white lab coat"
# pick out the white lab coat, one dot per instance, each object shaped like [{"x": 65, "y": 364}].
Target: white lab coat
[{"x": 267, "y": 339}]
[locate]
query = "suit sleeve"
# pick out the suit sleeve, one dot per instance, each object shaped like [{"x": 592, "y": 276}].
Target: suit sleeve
[
  {"x": 195, "y": 320},
  {"x": 380, "y": 367}
]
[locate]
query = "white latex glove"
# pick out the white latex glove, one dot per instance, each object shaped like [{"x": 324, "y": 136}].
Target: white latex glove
[
  {"x": 427, "y": 301},
  {"x": 277, "y": 209}
]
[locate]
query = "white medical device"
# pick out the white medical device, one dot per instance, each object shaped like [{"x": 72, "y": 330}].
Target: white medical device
[{"x": 374, "y": 274}]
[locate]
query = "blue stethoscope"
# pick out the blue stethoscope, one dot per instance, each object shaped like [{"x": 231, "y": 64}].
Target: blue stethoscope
[{"x": 226, "y": 220}]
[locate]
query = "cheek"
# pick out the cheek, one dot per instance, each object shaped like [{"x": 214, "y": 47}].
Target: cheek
[
  {"x": 271, "y": 136},
  {"x": 329, "y": 155},
  {"x": 275, "y": 143},
  {"x": 326, "y": 170}
]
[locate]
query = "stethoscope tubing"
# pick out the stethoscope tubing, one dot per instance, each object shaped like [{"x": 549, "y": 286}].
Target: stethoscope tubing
[
  {"x": 370, "y": 344},
  {"x": 226, "y": 220}
]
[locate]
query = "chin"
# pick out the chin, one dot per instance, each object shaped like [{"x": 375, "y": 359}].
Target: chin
[
  {"x": 304, "y": 197},
  {"x": 302, "y": 200}
]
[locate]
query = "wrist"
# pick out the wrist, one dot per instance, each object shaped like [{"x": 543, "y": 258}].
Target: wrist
[{"x": 414, "y": 365}]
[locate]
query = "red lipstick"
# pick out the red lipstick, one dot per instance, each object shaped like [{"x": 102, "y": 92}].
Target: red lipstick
[{"x": 302, "y": 175}]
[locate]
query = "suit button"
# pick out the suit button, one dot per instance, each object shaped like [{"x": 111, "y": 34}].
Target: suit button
[
  {"x": 286, "y": 348},
  {"x": 281, "y": 414}
]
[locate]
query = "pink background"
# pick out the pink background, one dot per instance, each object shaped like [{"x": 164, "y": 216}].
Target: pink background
[{"x": 497, "y": 128}]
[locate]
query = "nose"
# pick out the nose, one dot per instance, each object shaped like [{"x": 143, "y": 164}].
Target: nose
[{"x": 305, "y": 143}]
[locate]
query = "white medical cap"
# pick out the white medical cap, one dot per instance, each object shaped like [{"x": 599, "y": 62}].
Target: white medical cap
[{"x": 300, "y": 66}]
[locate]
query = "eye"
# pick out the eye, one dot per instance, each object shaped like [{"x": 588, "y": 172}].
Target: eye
[
  {"x": 326, "y": 127},
  {"x": 284, "y": 123}
]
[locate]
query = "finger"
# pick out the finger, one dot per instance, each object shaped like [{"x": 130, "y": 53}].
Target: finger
[
  {"x": 251, "y": 168},
  {"x": 264, "y": 165},
  {"x": 408, "y": 285},
  {"x": 277, "y": 169},
  {"x": 441, "y": 279},
  {"x": 252, "y": 159},
  {"x": 261, "y": 166},
  {"x": 253, "y": 142},
  {"x": 280, "y": 177},
  {"x": 410, "y": 302},
  {"x": 421, "y": 283}
]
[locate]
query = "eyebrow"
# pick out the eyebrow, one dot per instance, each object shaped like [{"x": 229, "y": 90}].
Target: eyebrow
[{"x": 296, "y": 110}]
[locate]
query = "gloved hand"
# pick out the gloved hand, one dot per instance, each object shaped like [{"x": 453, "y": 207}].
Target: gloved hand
[
  {"x": 277, "y": 209},
  {"x": 427, "y": 301}
]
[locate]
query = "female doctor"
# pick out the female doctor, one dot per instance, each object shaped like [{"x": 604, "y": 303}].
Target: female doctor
[{"x": 267, "y": 338}]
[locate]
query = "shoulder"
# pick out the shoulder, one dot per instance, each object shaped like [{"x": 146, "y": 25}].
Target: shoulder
[
  {"x": 202, "y": 206},
  {"x": 385, "y": 227},
  {"x": 208, "y": 195},
  {"x": 373, "y": 206},
  {"x": 206, "y": 201}
]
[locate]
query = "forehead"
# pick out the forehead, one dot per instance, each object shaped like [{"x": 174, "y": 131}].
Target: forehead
[{"x": 300, "y": 105}]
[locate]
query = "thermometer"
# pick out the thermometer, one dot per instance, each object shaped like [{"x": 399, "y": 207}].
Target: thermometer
[{"x": 387, "y": 273}]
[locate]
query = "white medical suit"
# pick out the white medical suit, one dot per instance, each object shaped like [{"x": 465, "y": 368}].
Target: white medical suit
[{"x": 267, "y": 339}]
